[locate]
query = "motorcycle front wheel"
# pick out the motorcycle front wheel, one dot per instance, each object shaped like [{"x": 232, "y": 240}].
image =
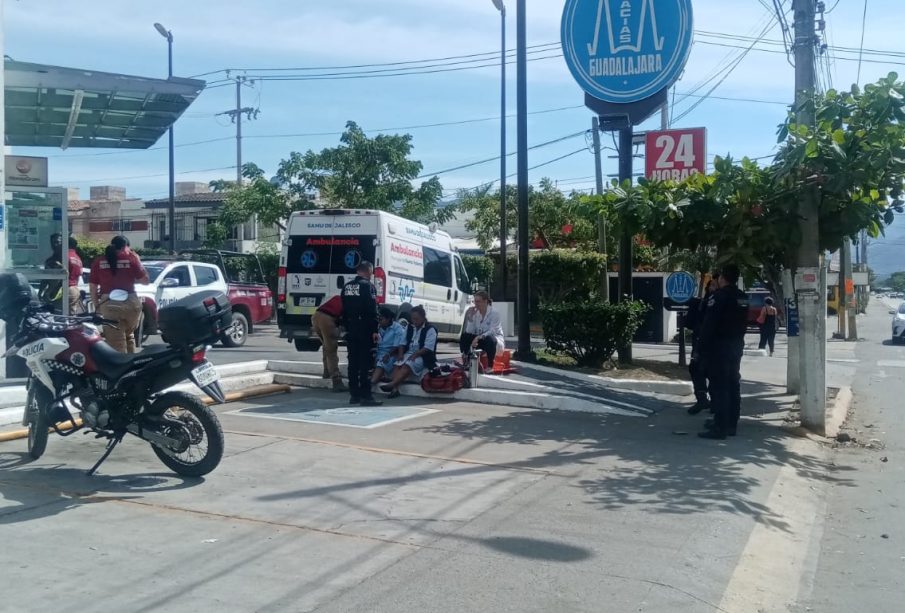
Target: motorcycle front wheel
[
  {"x": 36, "y": 403},
  {"x": 189, "y": 417}
]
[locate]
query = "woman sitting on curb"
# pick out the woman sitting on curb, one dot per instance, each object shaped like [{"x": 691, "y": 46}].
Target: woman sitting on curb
[{"x": 420, "y": 352}]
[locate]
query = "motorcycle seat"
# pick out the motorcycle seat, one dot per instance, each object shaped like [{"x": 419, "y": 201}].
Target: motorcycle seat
[{"x": 115, "y": 364}]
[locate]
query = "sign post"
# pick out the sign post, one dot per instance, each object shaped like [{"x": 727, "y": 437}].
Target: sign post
[
  {"x": 681, "y": 287},
  {"x": 625, "y": 54}
]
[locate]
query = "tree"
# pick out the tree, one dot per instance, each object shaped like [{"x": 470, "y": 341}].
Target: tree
[
  {"x": 554, "y": 219},
  {"x": 747, "y": 214},
  {"x": 361, "y": 173},
  {"x": 896, "y": 281}
]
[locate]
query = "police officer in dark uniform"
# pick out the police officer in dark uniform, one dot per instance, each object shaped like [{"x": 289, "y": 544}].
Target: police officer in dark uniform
[
  {"x": 359, "y": 299},
  {"x": 723, "y": 341},
  {"x": 697, "y": 367}
]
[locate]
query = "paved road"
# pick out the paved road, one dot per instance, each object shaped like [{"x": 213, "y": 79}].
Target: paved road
[
  {"x": 860, "y": 561},
  {"x": 461, "y": 508}
]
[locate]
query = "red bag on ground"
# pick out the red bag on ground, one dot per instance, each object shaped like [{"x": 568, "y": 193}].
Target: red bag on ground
[{"x": 444, "y": 382}]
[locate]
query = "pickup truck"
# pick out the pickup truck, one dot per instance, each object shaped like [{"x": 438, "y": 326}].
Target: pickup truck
[
  {"x": 247, "y": 289},
  {"x": 237, "y": 275}
]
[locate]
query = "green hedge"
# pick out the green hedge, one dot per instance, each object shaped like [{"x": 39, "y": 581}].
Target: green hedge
[
  {"x": 563, "y": 275},
  {"x": 89, "y": 249},
  {"x": 590, "y": 332}
]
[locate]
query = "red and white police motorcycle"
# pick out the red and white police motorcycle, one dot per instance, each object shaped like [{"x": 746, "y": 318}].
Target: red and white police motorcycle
[{"x": 119, "y": 394}]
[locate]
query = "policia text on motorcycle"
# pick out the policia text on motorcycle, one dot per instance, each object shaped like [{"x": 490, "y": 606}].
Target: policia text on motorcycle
[
  {"x": 721, "y": 346},
  {"x": 359, "y": 298}
]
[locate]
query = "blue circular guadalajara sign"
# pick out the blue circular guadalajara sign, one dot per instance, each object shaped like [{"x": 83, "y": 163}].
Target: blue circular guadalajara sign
[
  {"x": 623, "y": 51},
  {"x": 681, "y": 287}
]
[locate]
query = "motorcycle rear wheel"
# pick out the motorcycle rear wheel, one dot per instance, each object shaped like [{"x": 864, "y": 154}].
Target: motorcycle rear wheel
[
  {"x": 36, "y": 403},
  {"x": 205, "y": 449}
]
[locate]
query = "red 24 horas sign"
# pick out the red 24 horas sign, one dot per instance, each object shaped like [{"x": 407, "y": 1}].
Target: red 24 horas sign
[{"x": 675, "y": 154}]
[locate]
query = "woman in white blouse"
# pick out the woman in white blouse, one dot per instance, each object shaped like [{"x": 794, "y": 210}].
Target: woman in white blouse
[{"x": 483, "y": 329}]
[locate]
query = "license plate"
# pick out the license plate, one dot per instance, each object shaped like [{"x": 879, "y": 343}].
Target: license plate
[
  {"x": 205, "y": 374},
  {"x": 308, "y": 301}
]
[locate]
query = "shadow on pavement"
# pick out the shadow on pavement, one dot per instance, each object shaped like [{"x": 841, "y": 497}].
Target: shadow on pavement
[
  {"x": 45, "y": 491},
  {"x": 657, "y": 465}
]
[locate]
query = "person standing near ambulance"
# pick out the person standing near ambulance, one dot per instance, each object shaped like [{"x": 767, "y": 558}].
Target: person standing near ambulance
[
  {"x": 359, "y": 301},
  {"x": 112, "y": 284},
  {"x": 325, "y": 324}
]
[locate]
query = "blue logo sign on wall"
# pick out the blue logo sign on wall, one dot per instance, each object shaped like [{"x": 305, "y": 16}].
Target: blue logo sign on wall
[
  {"x": 309, "y": 259},
  {"x": 623, "y": 51},
  {"x": 681, "y": 287}
]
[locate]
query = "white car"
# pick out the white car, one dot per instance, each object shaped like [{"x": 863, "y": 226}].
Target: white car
[
  {"x": 172, "y": 281},
  {"x": 898, "y": 324}
]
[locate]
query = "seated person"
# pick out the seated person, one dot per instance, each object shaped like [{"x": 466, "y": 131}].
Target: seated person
[
  {"x": 420, "y": 352},
  {"x": 390, "y": 345},
  {"x": 483, "y": 330}
]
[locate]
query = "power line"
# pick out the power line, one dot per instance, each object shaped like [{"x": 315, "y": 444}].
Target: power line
[
  {"x": 730, "y": 69},
  {"x": 483, "y": 56},
  {"x": 494, "y": 159},
  {"x": 861, "y": 49},
  {"x": 185, "y": 172}
]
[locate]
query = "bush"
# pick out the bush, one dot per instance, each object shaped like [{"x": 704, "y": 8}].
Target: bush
[
  {"x": 270, "y": 264},
  {"x": 590, "y": 332},
  {"x": 89, "y": 249},
  {"x": 561, "y": 276},
  {"x": 481, "y": 269}
]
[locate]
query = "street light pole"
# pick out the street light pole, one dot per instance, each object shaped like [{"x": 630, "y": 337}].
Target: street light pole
[
  {"x": 504, "y": 231},
  {"x": 524, "y": 352},
  {"x": 171, "y": 210}
]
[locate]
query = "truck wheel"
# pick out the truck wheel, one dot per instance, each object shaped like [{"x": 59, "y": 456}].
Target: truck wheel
[{"x": 238, "y": 332}]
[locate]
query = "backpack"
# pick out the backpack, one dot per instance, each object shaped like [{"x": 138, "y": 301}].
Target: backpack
[
  {"x": 430, "y": 358},
  {"x": 444, "y": 382}
]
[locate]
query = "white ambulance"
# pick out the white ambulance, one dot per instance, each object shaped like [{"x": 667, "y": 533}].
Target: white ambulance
[{"x": 414, "y": 265}]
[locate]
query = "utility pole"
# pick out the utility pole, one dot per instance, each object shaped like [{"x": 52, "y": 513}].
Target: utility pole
[
  {"x": 235, "y": 115},
  {"x": 524, "y": 351},
  {"x": 851, "y": 298},
  {"x": 601, "y": 218},
  {"x": 626, "y": 257},
  {"x": 812, "y": 347},
  {"x": 842, "y": 290}
]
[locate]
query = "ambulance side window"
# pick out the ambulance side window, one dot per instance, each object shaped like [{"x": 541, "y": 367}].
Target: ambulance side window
[
  {"x": 462, "y": 280},
  {"x": 437, "y": 267}
]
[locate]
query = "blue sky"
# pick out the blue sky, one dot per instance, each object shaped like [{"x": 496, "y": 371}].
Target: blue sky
[{"x": 117, "y": 36}]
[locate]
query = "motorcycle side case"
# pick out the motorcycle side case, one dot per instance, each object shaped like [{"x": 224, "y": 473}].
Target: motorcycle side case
[{"x": 190, "y": 321}]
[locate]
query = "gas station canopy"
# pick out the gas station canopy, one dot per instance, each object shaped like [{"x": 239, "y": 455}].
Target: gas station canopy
[{"x": 52, "y": 106}]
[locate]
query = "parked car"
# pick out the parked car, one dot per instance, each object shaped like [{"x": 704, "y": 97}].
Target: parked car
[
  {"x": 249, "y": 295},
  {"x": 898, "y": 324},
  {"x": 756, "y": 303},
  {"x": 170, "y": 281}
]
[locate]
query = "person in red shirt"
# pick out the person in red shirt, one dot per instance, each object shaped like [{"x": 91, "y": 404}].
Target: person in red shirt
[
  {"x": 112, "y": 283},
  {"x": 75, "y": 274},
  {"x": 325, "y": 324}
]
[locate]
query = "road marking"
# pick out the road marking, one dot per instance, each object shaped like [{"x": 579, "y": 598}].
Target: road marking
[
  {"x": 775, "y": 563},
  {"x": 399, "y": 452},
  {"x": 891, "y": 363},
  {"x": 844, "y": 360},
  {"x": 366, "y": 418}
]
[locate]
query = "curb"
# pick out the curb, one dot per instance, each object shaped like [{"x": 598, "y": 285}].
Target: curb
[
  {"x": 541, "y": 399},
  {"x": 670, "y": 388},
  {"x": 838, "y": 412},
  {"x": 252, "y": 392}
]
